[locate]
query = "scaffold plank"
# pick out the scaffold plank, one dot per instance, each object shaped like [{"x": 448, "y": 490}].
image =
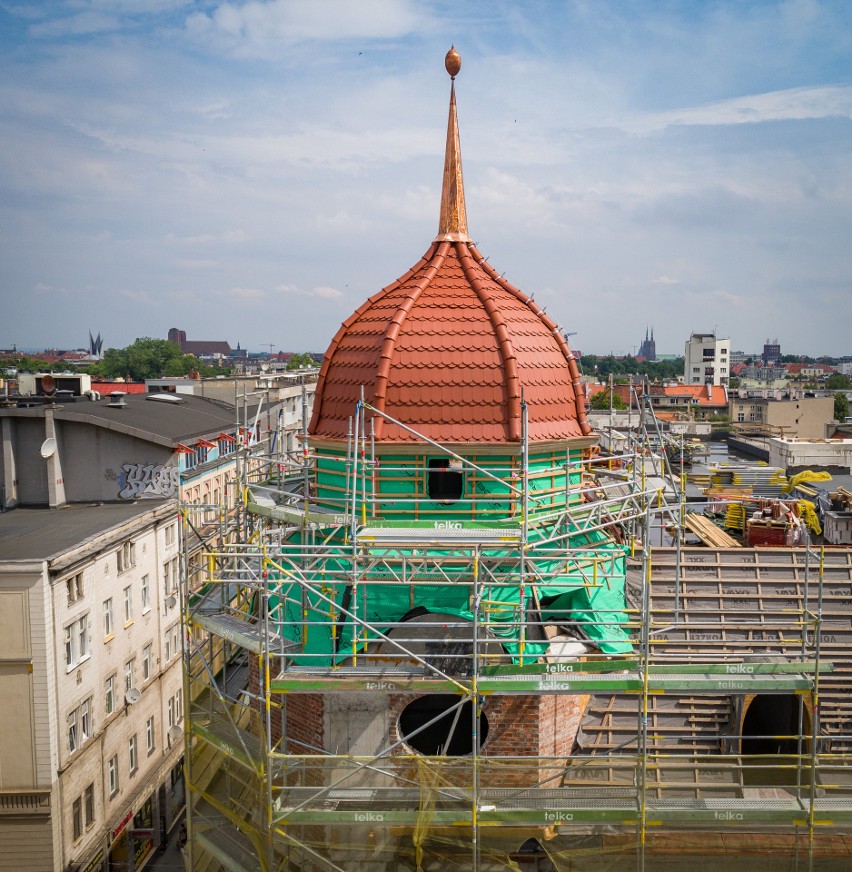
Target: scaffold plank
[
  {"x": 246, "y": 634},
  {"x": 549, "y": 683}
]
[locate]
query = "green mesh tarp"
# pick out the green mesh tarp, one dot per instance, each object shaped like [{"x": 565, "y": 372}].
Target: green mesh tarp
[{"x": 569, "y": 592}]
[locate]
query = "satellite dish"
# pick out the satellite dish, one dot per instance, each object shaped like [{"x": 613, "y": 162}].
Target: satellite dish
[
  {"x": 48, "y": 447},
  {"x": 133, "y": 696},
  {"x": 175, "y": 734},
  {"x": 171, "y": 602},
  {"x": 48, "y": 384}
]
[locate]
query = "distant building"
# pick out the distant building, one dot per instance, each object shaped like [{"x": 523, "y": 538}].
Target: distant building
[
  {"x": 700, "y": 401},
  {"x": 205, "y": 349},
  {"x": 706, "y": 360},
  {"x": 803, "y": 417},
  {"x": 771, "y": 353},
  {"x": 96, "y": 345},
  {"x": 648, "y": 348},
  {"x": 177, "y": 336}
]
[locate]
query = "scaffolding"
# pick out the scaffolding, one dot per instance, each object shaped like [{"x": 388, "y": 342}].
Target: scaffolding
[{"x": 502, "y": 677}]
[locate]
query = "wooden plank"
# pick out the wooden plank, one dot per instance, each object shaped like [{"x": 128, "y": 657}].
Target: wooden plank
[{"x": 708, "y": 532}]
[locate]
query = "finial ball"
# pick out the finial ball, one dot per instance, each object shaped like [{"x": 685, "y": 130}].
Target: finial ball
[{"x": 452, "y": 62}]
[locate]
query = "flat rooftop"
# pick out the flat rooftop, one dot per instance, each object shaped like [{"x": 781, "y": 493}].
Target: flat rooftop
[{"x": 42, "y": 533}]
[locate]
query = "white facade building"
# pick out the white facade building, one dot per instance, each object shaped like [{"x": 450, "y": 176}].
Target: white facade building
[
  {"x": 91, "y": 675},
  {"x": 707, "y": 360}
]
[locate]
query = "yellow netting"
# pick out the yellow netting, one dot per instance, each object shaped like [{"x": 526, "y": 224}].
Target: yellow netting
[{"x": 804, "y": 477}]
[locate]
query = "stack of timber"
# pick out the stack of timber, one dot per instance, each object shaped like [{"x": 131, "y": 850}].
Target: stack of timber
[{"x": 708, "y": 532}]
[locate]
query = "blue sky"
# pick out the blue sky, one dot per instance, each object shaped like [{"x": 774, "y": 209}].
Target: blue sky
[{"x": 252, "y": 171}]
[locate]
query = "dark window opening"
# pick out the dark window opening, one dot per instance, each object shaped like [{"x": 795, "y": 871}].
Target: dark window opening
[
  {"x": 451, "y": 734},
  {"x": 443, "y": 483},
  {"x": 531, "y": 857},
  {"x": 768, "y": 719}
]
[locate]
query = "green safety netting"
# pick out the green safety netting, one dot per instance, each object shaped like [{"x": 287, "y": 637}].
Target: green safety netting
[{"x": 570, "y": 592}]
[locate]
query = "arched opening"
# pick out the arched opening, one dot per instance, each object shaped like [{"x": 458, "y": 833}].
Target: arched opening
[
  {"x": 531, "y": 857},
  {"x": 451, "y": 734},
  {"x": 770, "y": 730},
  {"x": 444, "y": 480}
]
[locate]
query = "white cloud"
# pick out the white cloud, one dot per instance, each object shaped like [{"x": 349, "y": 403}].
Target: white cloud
[
  {"x": 257, "y": 27},
  {"x": 324, "y": 293},
  {"x": 793, "y": 104}
]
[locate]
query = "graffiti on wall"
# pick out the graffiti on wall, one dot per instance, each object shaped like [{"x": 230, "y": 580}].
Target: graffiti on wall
[{"x": 139, "y": 481}]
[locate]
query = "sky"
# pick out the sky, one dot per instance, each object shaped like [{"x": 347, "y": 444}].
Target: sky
[{"x": 253, "y": 170}]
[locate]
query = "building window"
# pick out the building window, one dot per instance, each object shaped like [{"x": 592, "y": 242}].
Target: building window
[
  {"x": 79, "y": 725},
  {"x": 77, "y": 642},
  {"x": 146, "y": 594},
  {"x": 126, "y": 556},
  {"x": 149, "y": 735},
  {"x": 128, "y": 605},
  {"x": 179, "y": 705},
  {"x": 89, "y": 804},
  {"x": 74, "y": 586},
  {"x": 77, "y": 817},
  {"x": 146, "y": 662},
  {"x": 129, "y": 674},
  {"x": 85, "y": 721},
  {"x": 109, "y": 695},
  {"x": 133, "y": 754},
  {"x": 112, "y": 774},
  {"x": 171, "y": 711},
  {"x": 171, "y": 573},
  {"x": 176, "y": 640},
  {"x": 445, "y": 480},
  {"x": 108, "y": 618},
  {"x": 170, "y": 534}
]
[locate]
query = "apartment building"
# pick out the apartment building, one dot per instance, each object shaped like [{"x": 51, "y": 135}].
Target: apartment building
[
  {"x": 802, "y": 417},
  {"x": 91, "y": 676},
  {"x": 706, "y": 360}
]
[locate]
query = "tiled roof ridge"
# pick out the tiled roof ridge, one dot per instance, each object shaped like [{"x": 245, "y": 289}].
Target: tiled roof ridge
[
  {"x": 553, "y": 327},
  {"x": 439, "y": 255},
  {"x": 344, "y": 328},
  {"x": 504, "y": 341}
]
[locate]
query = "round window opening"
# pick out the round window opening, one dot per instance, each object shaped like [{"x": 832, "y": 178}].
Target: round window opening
[{"x": 451, "y": 733}]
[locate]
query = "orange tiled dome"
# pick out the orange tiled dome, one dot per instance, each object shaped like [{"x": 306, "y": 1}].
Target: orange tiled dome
[{"x": 450, "y": 347}]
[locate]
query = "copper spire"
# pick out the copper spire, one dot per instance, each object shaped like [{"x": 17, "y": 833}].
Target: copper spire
[{"x": 452, "y": 224}]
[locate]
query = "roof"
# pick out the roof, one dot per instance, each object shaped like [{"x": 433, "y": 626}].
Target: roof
[
  {"x": 204, "y": 347},
  {"x": 702, "y": 395},
  {"x": 451, "y": 348},
  {"x": 40, "y": 534},
  {"x": 165, "y": 423}
]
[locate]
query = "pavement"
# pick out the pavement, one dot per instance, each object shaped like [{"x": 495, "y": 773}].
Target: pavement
[{"x": 171, "y": 860}]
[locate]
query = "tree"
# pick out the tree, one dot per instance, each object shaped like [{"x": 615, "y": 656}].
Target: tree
[
  {"x": 150, "y": 358},
  {"x": 297, "y": 361},
  {"x": 841, "y": 407},
  {"x": 838, "y": 382},
  {"x": 600, "y": 402}
]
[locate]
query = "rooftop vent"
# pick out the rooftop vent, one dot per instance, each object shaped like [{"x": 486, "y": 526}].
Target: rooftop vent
[{"x": 116, "y": 400}]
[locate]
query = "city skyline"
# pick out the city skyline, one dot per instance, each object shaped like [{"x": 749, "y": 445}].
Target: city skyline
[{"x": 218, "y": 165}]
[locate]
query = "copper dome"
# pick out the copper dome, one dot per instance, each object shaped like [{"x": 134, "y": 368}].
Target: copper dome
[{"x": 449, "y": 348}]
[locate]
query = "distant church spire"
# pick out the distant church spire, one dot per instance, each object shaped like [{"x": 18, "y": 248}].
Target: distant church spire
[{"x": 452, "y": 224}]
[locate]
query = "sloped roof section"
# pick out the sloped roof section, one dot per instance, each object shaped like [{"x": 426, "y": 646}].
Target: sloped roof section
[{"x": 451, "y": 348}]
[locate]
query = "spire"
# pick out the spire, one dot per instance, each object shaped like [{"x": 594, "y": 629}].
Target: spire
[{"x": 452, "y": 225}]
